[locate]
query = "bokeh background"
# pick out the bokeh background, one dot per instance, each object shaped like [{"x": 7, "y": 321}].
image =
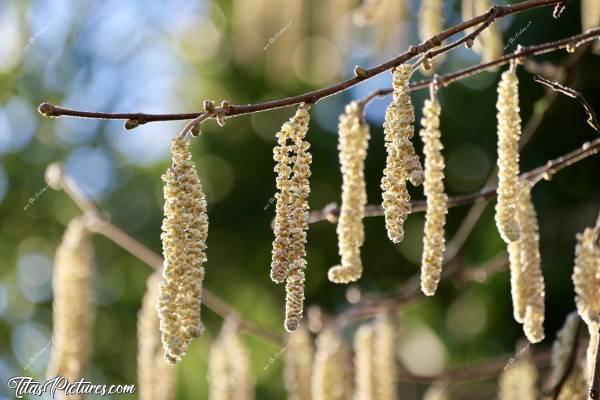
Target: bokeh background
[{"x": 157, "y": 56}]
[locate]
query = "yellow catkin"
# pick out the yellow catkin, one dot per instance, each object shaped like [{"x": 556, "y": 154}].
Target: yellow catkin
[
  {"x": 73, "y": 306},
  {"x": 353, "y": 143},
  {"x": 562, "y": 348},
  {"x": 291, "y": 218},
  {"x": 533, "y": 323},
  {"x": 590, "y": 18},
  {"x": 298, "y": 365},
  {"x": 156, "y": 378},
  {"x": 509, "y": 132},
  {"x": 592, "y": 350},
  {"x": 218, "y": 372},
  {"x": 185, "y": 229},
  {"x": 402, "y": 163},
  {"x": 434, "y": 243},
  {"x": 229, "y": 370},
  {"x": 364, "y": 368},
  {"x": 519, "y": 381},
  {"x": 331, "y": 375},
  {"x": 384, "y": 347},
  {"x": 488, "y": 43},
  {"x": 518, "y": 288},
  {"x": 586, "y": 275}
]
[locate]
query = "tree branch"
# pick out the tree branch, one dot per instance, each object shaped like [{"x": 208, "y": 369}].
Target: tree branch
[
  {"x": 98, "y": 223},
  {"x": 557, "y": 87},
  {"x": 330, "y": 213},
  {"x": 136, "y": 119}
]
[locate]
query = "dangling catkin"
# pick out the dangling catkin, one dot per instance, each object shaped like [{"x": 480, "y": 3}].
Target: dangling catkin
[
  {"x": 402, "y": 163},
  {"x": 586, "y": 275},
  {"x": 353, "y": 142},
  {"x": 518, "y": 288},
  {"x": 298, "y": 365},
  {"x": 518, "y": 382},
  {"x": 590, "y": 18},
  {"x": 74, "y": 305},
  {"x": 434, "y": 243},
  {"x": 576, "y": 386},
  {"x": 229, "y": 371},
  {"x": 509, "y": 132},
  {"x": 291, "y": 218},
  {"x": 364, "y": 368},
  {"x": 331, "y": 375},
  {"x": 156, "y": 378},
  {"x": 431, "y": 22},
  {"x": 533, "y": 323},
  {"x": 562, "y": 347},
  {"x": 185, "y": 229},
  {"x": 384, "y": 348}
]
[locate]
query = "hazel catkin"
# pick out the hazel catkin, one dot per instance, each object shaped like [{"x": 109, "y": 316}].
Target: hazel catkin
[
  {"x": 533, "y": 324},
  {"x": 364, "y": 368},
  {"x": 384, "y": 348},
  {"x": 402, "y": 163},
  {"x": 73, "y": 306},
  {"x": 509, "y": 132},
  {"x": 156, "y": 378},
  {"x": 291, "y": 218},
  {"x": 353, "y": 143},
  {"x": 331, "y": 374},
  {"x": 586, "y": 275},
  {"x": 298, "y": 365},
  {"x": 489, "y": 42},
  {"x": 519, "y": 381},
  {"x": 437, "y": 200},
  {"x": 562, "y": 348},
  {"x": 229, "y": 370},
  {"x": 185, "y": 229}
]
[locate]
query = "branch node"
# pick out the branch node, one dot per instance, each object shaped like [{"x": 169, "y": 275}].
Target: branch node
[
  {"x": 469, "y": 43},
  {"x": 360, "y": 72},
  {"x": 48, "y": 110},
  {"x": 132, "y": 123},
  {"x": 209, "y": 106}
]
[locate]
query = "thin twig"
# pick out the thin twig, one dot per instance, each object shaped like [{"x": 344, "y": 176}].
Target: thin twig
[
  {"x": 520, "y": 54},
  {"x": 99, "y": 224},
  {"x": 312, "y": 97},
  {"x": 533, "y": 176},
  {"x": 557, "y": 87}
]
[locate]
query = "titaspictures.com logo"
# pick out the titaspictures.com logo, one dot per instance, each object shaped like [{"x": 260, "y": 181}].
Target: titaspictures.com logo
[{"x": 25, "y": 385}]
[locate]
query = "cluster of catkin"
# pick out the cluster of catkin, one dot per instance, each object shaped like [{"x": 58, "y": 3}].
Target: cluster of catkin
[
  {"x": 402, "y": 163},
  {"x": 437, "y": 200},
  {"x": 586, "y": 279},
  {"x": 488, "y": 43},
  {"x": 229, "y": 369},
  {"x": 527, "y": 282},
  {"x": 328, "y": 371},
  {"x": 291, "y": 219},
  {"x": 74, "y": 305},
  {"x": 185, "y": 229},
  {"x": 375, "y": 361},
  {"x": 509, "y": 133},
  {"x": 353, "y": 142},
  {"x": 156, "y": 378}
]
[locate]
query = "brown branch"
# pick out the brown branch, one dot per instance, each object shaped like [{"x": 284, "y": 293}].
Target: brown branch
[
  {"x": 482, "y": 371},
  {"x": 136, "y": 119},
  {"x": 520, "y": 54},
  {"x": 98, "y": 223},
  {"x": 544, "y": 172},
  {"x": 557, "y": 87}
]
